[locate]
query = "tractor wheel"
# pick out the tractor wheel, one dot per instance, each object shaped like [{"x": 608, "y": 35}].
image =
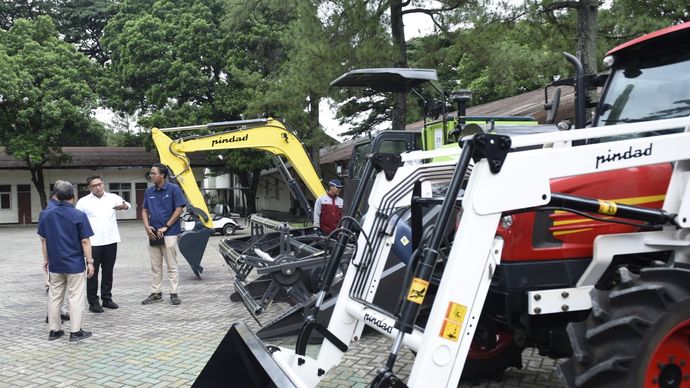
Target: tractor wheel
[
  {"x": 490, "y": 363},
  {"x": 229, "y": 229},
  {"x": 638, "y": 334}
]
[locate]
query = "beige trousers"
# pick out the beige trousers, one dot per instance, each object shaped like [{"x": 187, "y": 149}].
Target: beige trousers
[
  {"x": 74, "y": 284},
  {"x": 65, "y": 305},
  {"x": 158, "y": 253}
]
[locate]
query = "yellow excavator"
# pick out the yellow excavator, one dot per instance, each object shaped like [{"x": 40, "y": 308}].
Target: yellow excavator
[{"x": 269, "y": 135}]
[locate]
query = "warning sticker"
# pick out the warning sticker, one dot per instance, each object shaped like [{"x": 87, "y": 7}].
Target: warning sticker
[
  {"x": 450, "y": 330},
  {"x": 417, "y": 290},
  {"x": 404, "y": 241},
  {"x": 607, "y": 207},
  {"x": 456, "y": 312},
  {"x": 452, "y": 324}
]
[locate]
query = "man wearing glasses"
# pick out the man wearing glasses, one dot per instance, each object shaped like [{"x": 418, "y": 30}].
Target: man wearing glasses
[
  {"x": 100, "y": 207},
  {"x": 163, "y": 203}
]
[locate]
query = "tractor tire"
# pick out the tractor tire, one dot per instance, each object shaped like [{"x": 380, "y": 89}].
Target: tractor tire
[
  {"x": 489, "y": 364},
  {"x": 229, "y": 230},
  {"x": 638, "y": 334}
]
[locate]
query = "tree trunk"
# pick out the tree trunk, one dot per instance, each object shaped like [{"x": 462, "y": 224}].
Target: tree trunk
[
  {"x": 252, "y": 182},
  {"x": 587, "y": 44},
  {"x": 398, "y": 34},
  {"x": 39, "y": 183},
  {"x": 314, "y": 131},
  {"x": 587, "y": 34}
]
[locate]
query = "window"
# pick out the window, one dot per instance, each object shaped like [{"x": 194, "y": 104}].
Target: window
[
  {"x": 82, "y": 190},
  {"x": 124, "y": 190},
  {"x": 5, "y": 196}
]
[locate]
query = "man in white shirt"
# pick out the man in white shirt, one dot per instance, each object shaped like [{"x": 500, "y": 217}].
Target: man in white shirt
[{"x": 100, "y": 208}]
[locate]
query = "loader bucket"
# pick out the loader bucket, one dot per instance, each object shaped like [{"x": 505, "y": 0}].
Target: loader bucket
[
  {"x": 242, "y": 360},
  {"x": 192, "y": 245}
]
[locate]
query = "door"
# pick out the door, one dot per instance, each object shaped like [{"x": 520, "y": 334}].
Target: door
[
  {"x": 140, "y": 189},
  {"x": 24, "y": 204}
]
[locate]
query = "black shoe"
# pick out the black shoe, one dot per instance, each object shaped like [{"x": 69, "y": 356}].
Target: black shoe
[
  {"x": 80, "y": 335},
  {"x": 153, "y": 298},
  {"x": 109, "y": 304},
  {"x": 174, "y": 299},
  {"x": 55, "y": 335},
  {"x": 95, "y": 307}
]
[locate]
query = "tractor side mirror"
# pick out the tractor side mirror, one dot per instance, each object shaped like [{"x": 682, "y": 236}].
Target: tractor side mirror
[{"x": 552, "y": 107}]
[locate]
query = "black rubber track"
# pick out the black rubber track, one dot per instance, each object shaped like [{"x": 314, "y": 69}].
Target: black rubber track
[{"x": 614, "y": 346}]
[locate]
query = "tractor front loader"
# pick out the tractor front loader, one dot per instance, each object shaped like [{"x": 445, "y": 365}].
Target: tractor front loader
[
  {"x": 576, "y": 243},
  {"x": 449, "y": 287}
]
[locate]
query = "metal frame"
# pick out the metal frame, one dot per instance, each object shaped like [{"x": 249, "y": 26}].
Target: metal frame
[{"x": 476, "y": 252}]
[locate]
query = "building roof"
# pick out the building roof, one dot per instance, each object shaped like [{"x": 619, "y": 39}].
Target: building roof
[
  {"x": 526, "y": 104},
  {"x": 102, "y": 157}
]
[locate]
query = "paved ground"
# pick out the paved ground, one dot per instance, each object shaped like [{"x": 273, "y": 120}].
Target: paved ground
[{"x": 157, "y": 345}]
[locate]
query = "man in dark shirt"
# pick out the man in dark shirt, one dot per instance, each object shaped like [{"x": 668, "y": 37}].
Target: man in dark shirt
[
  {"x": 161, "y": 211},
  {"x": 65, "y": 233}
]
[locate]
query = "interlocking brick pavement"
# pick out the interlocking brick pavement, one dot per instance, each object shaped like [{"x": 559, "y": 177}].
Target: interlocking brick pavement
[{"x": 157, "y": 345}]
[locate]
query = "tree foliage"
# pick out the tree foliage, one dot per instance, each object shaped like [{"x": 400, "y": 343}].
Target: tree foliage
[{"x": 48, "y": 91}]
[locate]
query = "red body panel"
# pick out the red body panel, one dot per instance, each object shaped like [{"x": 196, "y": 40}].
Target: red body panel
[
  {"x": 564, "y": 235},
  {"x": 649, "y": 37}
]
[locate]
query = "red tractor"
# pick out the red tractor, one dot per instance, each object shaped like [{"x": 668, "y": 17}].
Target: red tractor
[{"x": 649, "y": 79}]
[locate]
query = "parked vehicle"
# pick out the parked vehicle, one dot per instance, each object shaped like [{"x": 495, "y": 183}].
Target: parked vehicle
[{"x": 225, "y": 226}]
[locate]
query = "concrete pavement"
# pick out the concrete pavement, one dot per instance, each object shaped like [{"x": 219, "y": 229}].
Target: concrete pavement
[{"x": 158, "y": 345}]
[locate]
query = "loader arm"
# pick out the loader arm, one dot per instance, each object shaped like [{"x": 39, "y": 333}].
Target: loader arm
[{"x": 269, "y": 135}]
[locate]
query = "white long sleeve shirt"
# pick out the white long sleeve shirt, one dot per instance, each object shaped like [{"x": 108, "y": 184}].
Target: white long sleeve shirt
[{"x": 102, "y": 217}]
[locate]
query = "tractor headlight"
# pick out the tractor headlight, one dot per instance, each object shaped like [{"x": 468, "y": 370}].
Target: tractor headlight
[{"x": 608, "y": 61}]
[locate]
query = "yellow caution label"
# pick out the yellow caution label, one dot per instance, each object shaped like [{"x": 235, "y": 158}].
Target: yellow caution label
[
  {"x": 418, "y": 290},
  {"x": 450, "y": 330},
  {"x": 607, "y": 207},
  {"x": 456, "y": 312}
]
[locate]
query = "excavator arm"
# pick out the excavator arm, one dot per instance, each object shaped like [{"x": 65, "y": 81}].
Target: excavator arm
[{"x": 269, "y": 135}]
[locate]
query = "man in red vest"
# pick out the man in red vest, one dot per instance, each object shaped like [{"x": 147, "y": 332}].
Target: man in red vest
[{"x": 328, "y": 208}]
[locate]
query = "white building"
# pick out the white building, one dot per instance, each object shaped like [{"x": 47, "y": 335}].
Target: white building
[{"x": 124, "y": 171}]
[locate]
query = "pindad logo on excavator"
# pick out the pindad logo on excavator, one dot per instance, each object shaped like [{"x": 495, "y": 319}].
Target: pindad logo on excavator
[{"x": 231, "y": 139}]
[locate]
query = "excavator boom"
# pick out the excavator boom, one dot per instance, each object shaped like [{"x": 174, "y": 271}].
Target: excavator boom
[{"x": 268, "y": 135}]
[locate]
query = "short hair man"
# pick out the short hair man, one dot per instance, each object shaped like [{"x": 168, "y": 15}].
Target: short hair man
[
  {"x": 65, "y": 233},
  {"x": 100, "y": 206},
  {"x": 163, "y": 203},
  {"x": 52, "y": 202},
  {"x": 328, "y": 208}
]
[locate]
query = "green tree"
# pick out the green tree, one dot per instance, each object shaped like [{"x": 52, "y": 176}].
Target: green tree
[
  {"x": 174, "y": 63},
  {"x": 82, "y": 23},
  {"x": 79, "y": 21},
  {"x": 48, "y": 92}
]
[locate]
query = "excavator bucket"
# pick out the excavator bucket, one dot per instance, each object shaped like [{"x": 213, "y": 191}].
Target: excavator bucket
[
  {"x": 192, "y": 245},
  {"x": 242, "y": 360}
]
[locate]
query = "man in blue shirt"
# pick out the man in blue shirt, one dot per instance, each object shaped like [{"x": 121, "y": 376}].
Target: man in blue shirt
[
  {"x": 161, "y": 211},
  {"x": 52, "y": 202},
  {"x": 65, "y": 233}
]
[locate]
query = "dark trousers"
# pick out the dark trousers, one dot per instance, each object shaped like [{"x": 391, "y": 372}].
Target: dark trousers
[{"x": 103, "y": 258}]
